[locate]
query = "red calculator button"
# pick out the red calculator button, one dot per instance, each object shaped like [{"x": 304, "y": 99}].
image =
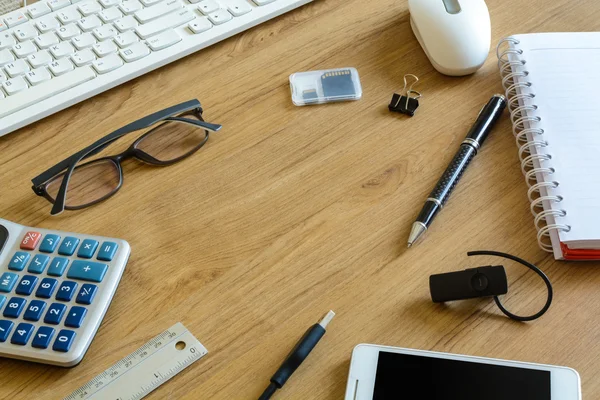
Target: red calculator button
[{"x": 30, "y": 240}]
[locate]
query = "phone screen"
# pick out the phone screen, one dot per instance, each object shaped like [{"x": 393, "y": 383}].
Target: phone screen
[{"x": 403, "y": 376}]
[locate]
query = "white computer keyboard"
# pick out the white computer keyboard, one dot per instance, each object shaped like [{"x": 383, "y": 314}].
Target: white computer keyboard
[{"x": 56, "y": 53}]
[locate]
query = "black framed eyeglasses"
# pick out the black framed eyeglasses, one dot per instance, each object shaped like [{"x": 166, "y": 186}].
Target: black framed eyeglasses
[{"x": 171, "y": 135}]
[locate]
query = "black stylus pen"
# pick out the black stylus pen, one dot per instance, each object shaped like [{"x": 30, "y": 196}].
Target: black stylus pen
[{"x": 487, "y": 118}]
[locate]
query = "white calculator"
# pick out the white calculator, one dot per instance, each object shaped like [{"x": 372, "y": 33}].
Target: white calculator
[{"x": 55, "y": 288}]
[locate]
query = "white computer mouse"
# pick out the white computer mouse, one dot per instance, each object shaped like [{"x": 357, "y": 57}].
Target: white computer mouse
[{"x": 455, "y": 34}]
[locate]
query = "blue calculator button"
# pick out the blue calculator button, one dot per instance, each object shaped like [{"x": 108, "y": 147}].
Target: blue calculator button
[
  {"x": 5, "y": 328},
  {"x": 86, "y": 294},
  {"x": 87, "y": 271},
  {"x": 55, "y": 313},
  {"x": 107, "y": 251},
  {"x": 8, "y": 281},
  {"x": 49, "y": 243},
  {"x": 75, "y": 317},
  {"x": 68, "y": 246},
  {"x": 34, "y": 310},
  {"x": 46, "y": 288},
  {"x": 18, "y": 261},
  {"x": 14, "y": 307},
  {"x": 38, "y": 264},
  {"x": 27, "y": 284},
  {"x": 87, "y": 249},
  {"x": 22, "y": 334},
  {"x": 66, "y": 291},
  {"x": 2, "y": 300},
  {"x": 57, "y": 266},
  {"x": 42, "y": 337},
  {"x": 64, "y": 340}
]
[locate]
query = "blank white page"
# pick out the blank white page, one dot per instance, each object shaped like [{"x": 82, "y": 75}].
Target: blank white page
[{"x": 564, "y": 69}]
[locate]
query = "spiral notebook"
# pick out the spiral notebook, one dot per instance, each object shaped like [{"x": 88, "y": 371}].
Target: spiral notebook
[{"x": 552, "y": 83}]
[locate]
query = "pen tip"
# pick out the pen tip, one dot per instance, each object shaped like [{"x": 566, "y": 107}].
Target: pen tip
[{"x": 409, "y": 245}]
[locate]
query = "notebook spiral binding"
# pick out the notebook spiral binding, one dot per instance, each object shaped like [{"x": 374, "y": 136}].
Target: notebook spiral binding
[{"x": 529, "y": 135}]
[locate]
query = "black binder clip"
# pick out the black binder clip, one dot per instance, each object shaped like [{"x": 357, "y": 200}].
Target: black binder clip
[{"x": 407, "y": 101}]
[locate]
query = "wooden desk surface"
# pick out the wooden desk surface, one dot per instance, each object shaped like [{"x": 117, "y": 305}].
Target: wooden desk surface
[{"x": 292, "y": 211}]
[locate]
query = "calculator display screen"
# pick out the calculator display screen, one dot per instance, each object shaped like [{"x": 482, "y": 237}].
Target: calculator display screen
[
  {"x": 3, "y": 237},
  {"x": 407, "y": 376}
]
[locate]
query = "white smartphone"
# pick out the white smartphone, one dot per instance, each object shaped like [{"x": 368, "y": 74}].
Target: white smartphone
[{"x": 391, "y": 373}]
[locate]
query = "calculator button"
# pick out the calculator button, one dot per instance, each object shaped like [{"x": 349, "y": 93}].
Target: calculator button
[
  {"x": 34, "y": 310},
  {"x": 42, "y": 337},
  {"x": 66, "y": 291},
  {"x": 22, "y": 334},
  {"x": 46, "y": 288},
  {"x": 5, "y": 328},
  {"x": 107, "y": 251},
  {"x": 75, "y": 317},
  {"x": 87, "y": 249},
  {"x": 38, "y": 264},
  {"x": 57, "y": 266},
  {"x": 8, "y": 281},
  {"x": 87, "y": 271},
  {"x": 55, "y": 313},
  {"x": 49, "y": 243},
  {"x": 2, "y": 300},
  {"x": 64, "y": 340},
  {"x": 30, "y": 240},
  {"x": 68, "y": 246},
  {"x": 86, "y": 294},
  {"x": 14, "y": 307},
  {"x": 17, "y": 263},
  {"x": 27, "y": 284}
]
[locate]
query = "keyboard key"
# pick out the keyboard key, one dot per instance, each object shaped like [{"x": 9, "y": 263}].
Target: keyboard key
[
  {"x": 38, "y": 263},
  {"x": 158, "y": 10},
  {"x": 208, "y": 6},
  {"x": 66, "y": 291},
  {"x": 14, "y": 307},
  {"x": 90, "y": 7},
  {"x": 164, "y": 24},
  {"x": 7, "y": 40},
  {"x": 64, "y": 340},
  {"x": 164, "y": 40},
  {"x": 25, "y": 32},
  {"x": 68, "y": 31},
  {"x": 126, "y": 38},
  {"x": 5, "y": 328},
  {"x": 130, "y": 6},
  {"x": 14, "y": 85},
  {"x": 86, "y": 294},
  {"x": 15, "y": 18},
  {"x": 19, "y": 260},
  {"x": 8, "y": 280},
  {"x": 68, "y": 246},
  {"x": 107, "y": 251},
  {"x": 135, "y": 52},
  {"x": 68, "y": 15},
  {"x": 58, "y": 4},
  {"x": 42, "y": 337},
  {"x": 238, "y": 7},
  {"x": 87, "y": 271},
  {"x": 75, "y": 317},
  {"x": 220, "y": 17},
  {"x": 200, "y": 25},
  {"x": 84, "y": 41},
  {"x": 49, "y": 243},
  {"x": 24, "y": 49},
  {"x": 90, "y": 23},
  {"x": 110, "y": 14},
  {"x": 45, "y": 90},
  {"x": 105, "y": 32},
  {"x": 107, "y": 64},
  {"x": 55, "y": 313},
  {"x": 38, "y": 9},
  {"x": 103, "y": 49},
  {"x": 38, "y": 75},
  {"x": 45, "y": 40},
  {"x": 22, "y": 334},
  {"x": 26, "y": 286},
  {"x": 47, "y": 23},
  {"x": 46, "y": 288},
  {"x": 62, "y": 66},
  {"x": 126, "y": 23},
  {"x": 39, "y": 59},
  {"x": 83, "y": 57},
  {"x": 63, "y": 49},
  {"x": 31, "y": 239},
  {"x": 6, "y": 56},
  {"x": 34, "y": 310}
]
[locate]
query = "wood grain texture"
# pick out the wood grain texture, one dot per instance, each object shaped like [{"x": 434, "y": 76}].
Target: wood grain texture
[{"x": 291, "y": 211}]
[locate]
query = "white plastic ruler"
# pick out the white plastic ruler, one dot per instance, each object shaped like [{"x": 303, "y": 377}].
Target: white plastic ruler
[{"x": 146, "y": 368}]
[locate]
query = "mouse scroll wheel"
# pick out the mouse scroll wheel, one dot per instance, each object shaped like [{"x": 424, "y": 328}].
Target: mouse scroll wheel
[{"x": 452, "y": 6}]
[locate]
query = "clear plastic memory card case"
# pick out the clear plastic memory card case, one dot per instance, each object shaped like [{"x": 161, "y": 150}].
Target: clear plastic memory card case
[{"x": 325, "y": 86}]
